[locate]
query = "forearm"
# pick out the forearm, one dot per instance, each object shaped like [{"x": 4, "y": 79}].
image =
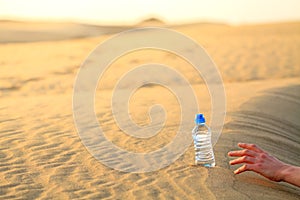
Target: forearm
[{"x": 291, "y": 174}]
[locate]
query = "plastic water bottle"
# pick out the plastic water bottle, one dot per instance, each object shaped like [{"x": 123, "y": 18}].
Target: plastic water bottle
[{"x": 204, "y": 154}]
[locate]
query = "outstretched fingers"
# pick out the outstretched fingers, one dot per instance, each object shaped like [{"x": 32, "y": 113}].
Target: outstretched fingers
[
  {"x": 243, "y": 159},
  {"x": 246, "y": 167},
  {"x": 251, "y": 156},
  {"x": 244, "y": 152},
  {"x": 252, "y": 147}
]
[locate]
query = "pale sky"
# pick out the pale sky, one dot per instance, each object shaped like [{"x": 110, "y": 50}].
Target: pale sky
[{"x": 127, "y": 12}]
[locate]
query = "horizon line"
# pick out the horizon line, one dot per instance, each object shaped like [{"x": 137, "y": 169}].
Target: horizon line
[{"x": 137, "y": 22}]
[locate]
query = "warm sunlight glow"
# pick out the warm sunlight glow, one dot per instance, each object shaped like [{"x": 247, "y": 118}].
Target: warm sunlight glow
[{"x": 132, "y": 11}]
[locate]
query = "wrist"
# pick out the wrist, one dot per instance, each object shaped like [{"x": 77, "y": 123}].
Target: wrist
[
  {"x": 283, "y": 173},
  {"x": 286, "y": 172},
  {"x": 290, "y": 174}
]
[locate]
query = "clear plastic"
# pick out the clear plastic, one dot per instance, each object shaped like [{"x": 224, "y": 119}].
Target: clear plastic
[{"x": 204, "y": 154}]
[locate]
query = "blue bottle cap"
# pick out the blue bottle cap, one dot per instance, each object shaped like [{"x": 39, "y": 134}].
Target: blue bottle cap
[{"x": 199, "y": 119}]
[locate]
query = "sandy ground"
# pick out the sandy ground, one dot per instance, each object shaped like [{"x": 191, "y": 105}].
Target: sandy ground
[{"x": 42, "y": 156}]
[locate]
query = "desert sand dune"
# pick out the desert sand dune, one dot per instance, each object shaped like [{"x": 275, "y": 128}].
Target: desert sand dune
[
  {"x": 41, "y": 153},
  {"x": 18, "y": 31}
]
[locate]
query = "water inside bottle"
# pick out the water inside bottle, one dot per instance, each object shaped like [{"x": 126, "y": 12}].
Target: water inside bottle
[{"x": 203, "y": 150}]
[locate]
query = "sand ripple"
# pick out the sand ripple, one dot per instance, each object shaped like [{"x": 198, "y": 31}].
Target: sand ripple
[{"x": 42, "y": 156}]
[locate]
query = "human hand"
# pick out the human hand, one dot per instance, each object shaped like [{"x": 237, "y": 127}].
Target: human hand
[{"x": 257, "y": 160}]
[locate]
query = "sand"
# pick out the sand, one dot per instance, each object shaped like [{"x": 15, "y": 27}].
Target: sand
[{"x": 42, "y": 156}]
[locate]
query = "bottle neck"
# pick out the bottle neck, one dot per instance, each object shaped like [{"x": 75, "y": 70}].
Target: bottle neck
[{"x": 200, "y": 124}]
